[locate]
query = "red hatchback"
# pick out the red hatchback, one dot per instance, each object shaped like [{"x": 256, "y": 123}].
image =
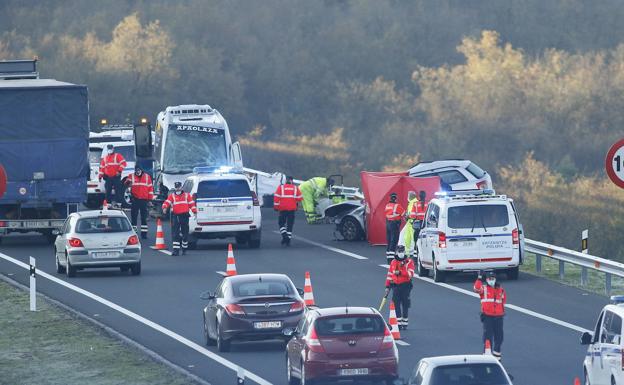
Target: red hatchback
[{"x": 350, "y": 343}]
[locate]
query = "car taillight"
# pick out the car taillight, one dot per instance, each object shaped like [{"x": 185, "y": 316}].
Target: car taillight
[
  {"x": 388, "y": 340},
  {"x": 481, "y": 185},
  {"x": 133, "y": 240},
  {"x": 297, "y": 306},
  {"x": 3, "y": 224},
  {"x": 313, "y": 343},
  {"x": 515, "y": 238},
  {"x": 75, "y": 242},
  {"x": 254, "y": 196},
  {"x": 441, "y": 240},
  {"x": 234, "y": 309}
]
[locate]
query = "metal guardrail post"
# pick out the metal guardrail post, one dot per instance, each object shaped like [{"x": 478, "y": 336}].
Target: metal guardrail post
[
  {"x": 538, "y": 263},
  {"x": 608, "y": 284},
  {"x": 583, "y": 276},
  {"x": 561, "y": 270}
]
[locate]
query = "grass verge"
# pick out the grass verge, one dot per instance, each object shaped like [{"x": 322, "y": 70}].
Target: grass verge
[
  {"x": 572, "y": 276},
  {"x": 52, "y": 346}
]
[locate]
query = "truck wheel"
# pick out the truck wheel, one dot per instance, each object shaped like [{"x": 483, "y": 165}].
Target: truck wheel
[
  {"x": 350, "y": 229},
  {"x": 513, "y": 273}
]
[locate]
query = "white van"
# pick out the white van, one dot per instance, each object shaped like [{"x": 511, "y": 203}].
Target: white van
[
  {"x": 469, "y": 233},
  {"x": 227, "y": 206},
  {"x": 604, "y": 361}
]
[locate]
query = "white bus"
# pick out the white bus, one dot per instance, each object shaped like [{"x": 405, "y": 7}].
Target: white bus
[{"x": 189, "y": 136}]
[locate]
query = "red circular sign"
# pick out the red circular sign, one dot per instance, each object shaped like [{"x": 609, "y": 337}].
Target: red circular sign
[
  {"x": 614, "y": 163},
  {"x": 3, "y": 181}
]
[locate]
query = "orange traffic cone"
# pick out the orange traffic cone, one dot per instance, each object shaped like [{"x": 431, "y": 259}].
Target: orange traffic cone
[
  {"x": 160, "y": 236},
  {"x": 308, "y": 296},
  {"x": 577, "y": 381},
  {"x": 488, "y": 347},
  {"x": 394, "y": 324},
  {"x": 104, "y": 205},
  {"x": 231, "y": 263}
]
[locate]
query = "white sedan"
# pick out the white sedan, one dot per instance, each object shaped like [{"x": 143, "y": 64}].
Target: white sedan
[
  {"x": 482, "y": 369},
  {"x": 97, "y": 238}
]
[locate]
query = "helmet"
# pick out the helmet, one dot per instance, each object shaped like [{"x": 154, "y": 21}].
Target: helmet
[{"x": 400, "y": 252}]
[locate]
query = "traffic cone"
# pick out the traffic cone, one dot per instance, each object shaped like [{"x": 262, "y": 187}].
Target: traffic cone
[
  {"x": 577, "y": 381},
  {"x": 230, "y": 270},
  {"x": 160, "y": 236},
  {"x": 308, "y": 296},
  {"x": 394, "y": 324},
  {"x": 104, "y": 205},
  {"x": 488, "y": 347}
]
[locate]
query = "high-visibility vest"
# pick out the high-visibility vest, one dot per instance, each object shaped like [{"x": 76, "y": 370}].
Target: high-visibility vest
[
  {"x": 141, "y": 187},
  {"x": 406, "y": 271},
  {"x": 411, "y": 208},
  {"x": 112, "y": 165},
  {"x": 394, "y": 211},
  {"x": 181, "y": 203},
  {"x": 493, "y": 299},
  {"x": 286, "y": 197}
]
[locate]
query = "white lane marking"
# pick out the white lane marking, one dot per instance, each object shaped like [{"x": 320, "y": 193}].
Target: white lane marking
[
  {"x": 166, "y": 252},
  {"x": 467, "y": 292},
  {"x": 385, "y": 266},
  {"x": 330, "y": 248},
  {"x": 401, "y": 342},
  {"x": 200, "y": 349},
  {"x": 222, "y": 273}
]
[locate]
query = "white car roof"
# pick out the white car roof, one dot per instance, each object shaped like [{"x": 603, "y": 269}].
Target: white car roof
[
  {"x": 462, "y": 359},
  {"x": 617, "y": 309},
  {"x": 97, "y": 213},
  {"x": 437, "y": 164}
]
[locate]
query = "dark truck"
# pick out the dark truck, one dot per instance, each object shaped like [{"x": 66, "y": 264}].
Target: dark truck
[{"x": 44, "y": 139}]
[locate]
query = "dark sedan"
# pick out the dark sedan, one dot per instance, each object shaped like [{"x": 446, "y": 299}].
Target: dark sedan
[
  {"x": 251, "y": 307},
  {"x": 342, "y": 343}
]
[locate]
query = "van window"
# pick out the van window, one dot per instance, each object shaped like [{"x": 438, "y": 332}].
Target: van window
[
  {"x": 452, "y": 177},
  {"x": 475, "y": 170},
  {"x": 223, "y": 188},
  {"x": 433, "y": 213},
  {"x": 611, "y": 328},
  {"x": 478, "y": 216}
]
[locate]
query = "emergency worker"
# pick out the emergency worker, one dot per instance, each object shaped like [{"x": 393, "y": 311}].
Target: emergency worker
[
  {"x": 312, "y": 190},
  {"x": 394, "y": 213},
  {"x": 181, "y": 203},
  {"x": 285, "y": 201},
  {"x": 493, "y": 300},
  {"x": 399, "y": 279},
  {"x": 111, "y": 167},
  {"x": 411, "y": 216},
  {"x": 142, "y": 192}
]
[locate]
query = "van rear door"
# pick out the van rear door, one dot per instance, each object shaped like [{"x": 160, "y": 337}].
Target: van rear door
[
  {"x": 463, "y": 239},
  {"x": 224, "y": 202},
  {"x": 496, "y": 243}
]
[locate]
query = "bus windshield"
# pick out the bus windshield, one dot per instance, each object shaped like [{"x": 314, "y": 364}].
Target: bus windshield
[{"x": 189, "y": 146}]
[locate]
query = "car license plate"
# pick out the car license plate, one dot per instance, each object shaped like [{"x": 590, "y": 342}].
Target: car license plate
[
  {"x": 36, "y": 224},
  {"x": 268, "y": 325},
  {"x": 227, "y": 209},
  {"x": 353, "y": 372},
  {"x": 467, "y": 244},
  {"x": 106, "y": 254}
]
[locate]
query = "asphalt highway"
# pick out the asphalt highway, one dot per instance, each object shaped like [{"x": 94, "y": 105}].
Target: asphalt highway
[{"x": 542, "y": 330}]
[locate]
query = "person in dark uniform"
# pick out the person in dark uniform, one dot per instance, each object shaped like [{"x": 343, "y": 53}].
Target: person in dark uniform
[
  {"x": 181, "y": 203},
  {"x": 285, "y": 200},
  {"x": 493, "y": 300},
  {"x": 142, "y": 192},
  {"x": 399, "y": 279}
]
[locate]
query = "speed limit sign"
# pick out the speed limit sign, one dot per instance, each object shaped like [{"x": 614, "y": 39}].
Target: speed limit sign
[{"x": 614, "y": 163}]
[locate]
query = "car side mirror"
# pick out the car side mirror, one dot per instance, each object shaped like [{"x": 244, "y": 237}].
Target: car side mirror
[
  {"x": 56, "y": 232},
  {"x": 207, "y": 295},
  {"x": 300, "y": 291},
  {"x": 289, "y": 332},
  {"x": 586, "y": 338}
]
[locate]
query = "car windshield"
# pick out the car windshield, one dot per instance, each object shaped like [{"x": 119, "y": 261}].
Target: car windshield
[
  {"x": 468, "y": 374},
  {"x": 95, "y": 154},
  {"x": 102, "y": 224},
  {"x": 223, "y": 188},
  {"x": 187, "y": 147},
  {"x": 127, "y": 152},
  {"x": 478, "y": 216},
  {"x": 261, "y": 288},
  {"x": 332, "y": 326}
]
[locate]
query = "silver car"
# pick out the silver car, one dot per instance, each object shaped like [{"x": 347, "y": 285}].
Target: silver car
[{"x": 97, "y": 238}]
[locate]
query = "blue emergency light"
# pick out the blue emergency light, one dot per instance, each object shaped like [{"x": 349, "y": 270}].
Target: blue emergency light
[
  {"x": 617, "y": 299},
  {"x": 217, "y": 170}
]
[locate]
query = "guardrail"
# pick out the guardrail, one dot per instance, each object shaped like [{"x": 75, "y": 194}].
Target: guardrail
[{"x": 585, "y": 261}]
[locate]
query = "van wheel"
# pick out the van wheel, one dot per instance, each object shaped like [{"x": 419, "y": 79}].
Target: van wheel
[
  {"x": 512, "y": 274},
  {"x": 438, "y": 275},
  {"x": 422, "y": 272}
]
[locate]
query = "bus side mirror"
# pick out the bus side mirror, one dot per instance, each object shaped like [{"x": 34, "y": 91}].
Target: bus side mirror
[
  {"x": 237, "y": 156},
  {"x": 143, "y": 141}
]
